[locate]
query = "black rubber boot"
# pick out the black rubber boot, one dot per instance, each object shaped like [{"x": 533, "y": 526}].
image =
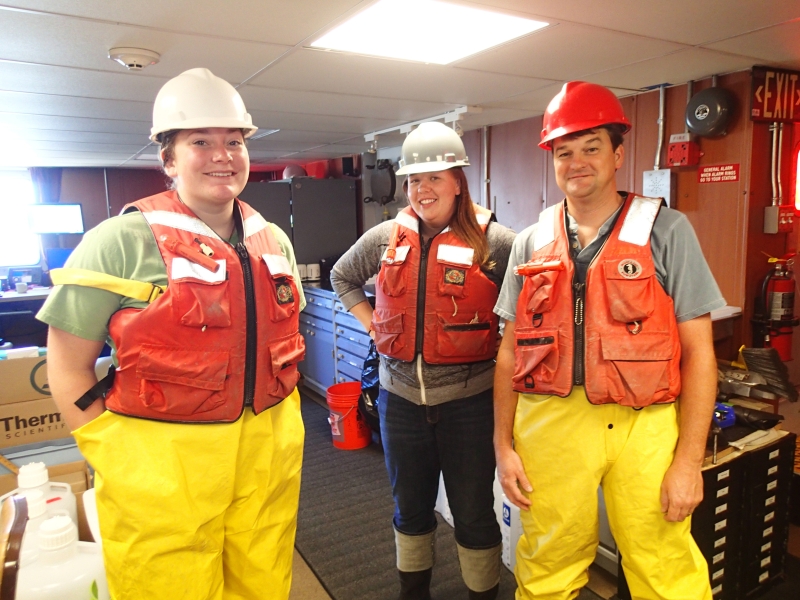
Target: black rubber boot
[
  {"x": 415, "y": 585},
  {"x": 487, "y": 595}
]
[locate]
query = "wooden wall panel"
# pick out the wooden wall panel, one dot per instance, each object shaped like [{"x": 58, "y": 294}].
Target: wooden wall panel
[
  {"x": 87, "y": 188},
  {"x": 516, "y": 176},
  {"x": 474, "y": 172},
  {"x": 717, "y": 211},
  {"x": 128, "y": 185}
]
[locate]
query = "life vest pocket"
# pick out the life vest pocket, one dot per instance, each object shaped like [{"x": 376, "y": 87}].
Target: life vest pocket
[
  {"x": 198, "y": 303},
  {"x": 281, "y": 287},
  {"x": 637, "y": 366},
  {"x": 392, "y": 279},
  {"x": 387, "y": 323},
  {"x": 469, "y": 340},
  {"x": 175, "y": 381},
  {"x": 283, "y": 296},
  {"x": 535, "y": 357},
  {"x": 630, "y": 288},
  {"x": 452, "y": 280},
  {"x": 392, "y": 274},
  {"x": 541, "y": 296},
  {"x": 284, "y": 356},
  {"x": 452, "y": 265}
]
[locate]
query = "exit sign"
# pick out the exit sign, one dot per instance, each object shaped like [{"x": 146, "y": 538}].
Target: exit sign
[{"x": 775, "y": 95}]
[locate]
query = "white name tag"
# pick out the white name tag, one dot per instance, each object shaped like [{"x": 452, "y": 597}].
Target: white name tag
[
  {"x": 277, "y": 265},
  {"x": 400, "y": 254},
  {"x": 186, "y": 269},
  {"x": 457, "y": 255}
]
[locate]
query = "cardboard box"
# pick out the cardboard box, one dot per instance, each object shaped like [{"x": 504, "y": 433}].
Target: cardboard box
[
  {"x": 77, "y": 475},
  {"x": 27, "y": 411},
  {"x": 23, "y": 379}
]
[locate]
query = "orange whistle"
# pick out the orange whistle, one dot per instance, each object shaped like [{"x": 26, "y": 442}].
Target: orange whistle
[
  {"x": 529, "y": 268},
  {"x": 190, "y": 253}
]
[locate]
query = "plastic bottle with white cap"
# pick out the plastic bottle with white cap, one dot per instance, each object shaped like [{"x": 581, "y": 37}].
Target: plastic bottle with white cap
[
  {"x": 58, "y": 496},
  {"x": 37, "y": 514},
  {"x": 65, "y": 569}
]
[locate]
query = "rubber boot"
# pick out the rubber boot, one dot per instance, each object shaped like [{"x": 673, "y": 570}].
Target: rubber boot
[
  {"x": 487, "y": 595},
  {"x": 415, "y": 585}
]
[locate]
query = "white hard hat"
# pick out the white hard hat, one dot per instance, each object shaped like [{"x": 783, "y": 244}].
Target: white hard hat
[
  {"x": 432, "y": 146},
  {"x": 196, "y": 99},
  {"x": 294, "y": 171}
]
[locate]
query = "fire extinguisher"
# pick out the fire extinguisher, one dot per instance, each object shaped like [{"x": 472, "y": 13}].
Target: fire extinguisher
[{"x": 774, "y": 318}]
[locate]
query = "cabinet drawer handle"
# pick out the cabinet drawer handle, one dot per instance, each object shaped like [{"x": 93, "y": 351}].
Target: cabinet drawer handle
[
  {"x": 341, "y": 356},
  {"x": 312, "y": 333},
  {"x": 311, "y": 299}
]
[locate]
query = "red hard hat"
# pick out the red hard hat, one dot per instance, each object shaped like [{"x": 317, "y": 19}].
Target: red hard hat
[{"x": 578, "y": 106}]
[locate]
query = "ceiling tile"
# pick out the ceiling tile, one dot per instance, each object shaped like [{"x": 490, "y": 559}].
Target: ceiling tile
[
  {"x": 347, "y": 105},
  {"x": 319, "y": 71},
  {"x": 695, "y": 63},
  {"x": 275, "y": 21},
  {"x": 683, "y": 21},
  {"x": 70, "y": 106},
  {"x": 85, "y": 44},
  {"x": 42, "y": 79},
  {"x": 568, "y": 52},
  {"x": 779, "y": 44},
  {"x": 317, "y": 122},
  {"x": 41, "y": 122}
]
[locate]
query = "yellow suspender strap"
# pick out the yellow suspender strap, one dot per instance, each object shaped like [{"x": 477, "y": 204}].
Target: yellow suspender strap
[{"x": 138, "y": 290}]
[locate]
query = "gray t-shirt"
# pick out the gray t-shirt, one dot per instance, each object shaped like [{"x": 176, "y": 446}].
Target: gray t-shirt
[
  {"x": 442, "y": 382},
  {"x": 681, "y": 268}
]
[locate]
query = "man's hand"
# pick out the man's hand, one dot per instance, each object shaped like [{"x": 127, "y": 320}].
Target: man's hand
[
  {"x": 512, "y": 476},
  {"x": 681, "y": 491}
]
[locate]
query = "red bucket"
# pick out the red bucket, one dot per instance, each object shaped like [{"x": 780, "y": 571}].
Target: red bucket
[{"x": 348, "y": 428}]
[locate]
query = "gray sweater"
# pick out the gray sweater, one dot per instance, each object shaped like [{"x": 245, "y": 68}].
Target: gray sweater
[{"x": 442, "y": 383}]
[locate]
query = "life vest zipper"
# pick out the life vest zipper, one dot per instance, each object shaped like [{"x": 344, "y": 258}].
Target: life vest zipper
[
  {"x": 578, "y": 359},
  {"x": 251, "y": 340},
  {"x": 419, "y": 341}
]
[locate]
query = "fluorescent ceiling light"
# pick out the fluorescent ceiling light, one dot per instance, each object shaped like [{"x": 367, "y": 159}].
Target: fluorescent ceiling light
[
  {"x": 427, "y": 31},
  {"x": 262, "y": 133}
]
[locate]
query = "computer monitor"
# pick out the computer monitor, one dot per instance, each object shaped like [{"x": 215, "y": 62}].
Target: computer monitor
[
  {"x": 56, "y": 257},
  {"x": 55, "y": 218}
]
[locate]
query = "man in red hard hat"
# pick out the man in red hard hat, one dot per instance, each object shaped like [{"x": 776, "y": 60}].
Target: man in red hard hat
[{"x": 606, "y": 374}]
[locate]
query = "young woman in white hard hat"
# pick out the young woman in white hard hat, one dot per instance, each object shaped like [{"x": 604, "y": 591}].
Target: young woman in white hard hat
[
  {"x": 440, "y": 264},
  {"x": 197, "y": 440}
]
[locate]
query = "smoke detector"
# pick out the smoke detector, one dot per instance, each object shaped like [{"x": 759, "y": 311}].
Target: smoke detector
[{"x": 134, "y": 59}]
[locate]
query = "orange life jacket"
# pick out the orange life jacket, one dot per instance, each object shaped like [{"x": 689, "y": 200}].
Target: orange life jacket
[
  {"x": 441, "y": 307},
  {"x": 213, "y": 341},
  {"x": 616, "y": 334}
]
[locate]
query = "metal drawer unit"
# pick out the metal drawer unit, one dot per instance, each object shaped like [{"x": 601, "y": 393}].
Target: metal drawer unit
[
  {"x": 316, "y": 327},
  {"x": 742, "y": 525},
  {"x": 717, "y": 526},
  {"x": 352, "y": 344},
  {"x": 766, "y": 506}
]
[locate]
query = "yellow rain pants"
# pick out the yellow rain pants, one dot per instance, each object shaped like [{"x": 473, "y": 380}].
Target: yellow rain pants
[
  {"x": 568, "y": 448},
  {"x": 197, "y": 512}
]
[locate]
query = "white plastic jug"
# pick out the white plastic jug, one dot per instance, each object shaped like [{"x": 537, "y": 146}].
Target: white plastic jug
[
  {"x": 58, "y": 496},
  {"x": 65, "y": 569},
  {"x": 37, "y": 514}
]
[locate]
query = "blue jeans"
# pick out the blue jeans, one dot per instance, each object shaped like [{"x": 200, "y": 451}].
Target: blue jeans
[{"x": 454, "y": 438}]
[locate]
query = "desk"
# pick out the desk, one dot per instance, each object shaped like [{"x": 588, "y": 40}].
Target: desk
[
  {"x": 36, "y": 293},
  {"x": 18, "y": 323}
]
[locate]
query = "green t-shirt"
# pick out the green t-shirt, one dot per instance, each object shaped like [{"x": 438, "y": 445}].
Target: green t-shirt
[{"x": 122, "y": 246}]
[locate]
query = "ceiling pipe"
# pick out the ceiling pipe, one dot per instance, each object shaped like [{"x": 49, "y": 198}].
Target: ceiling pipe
[
  {"x": 662, "y": 100},
  {"x": 774, "y": 171},
  {"x": 689, "y": 94},
  {"x": 485, "y": 166},
  {"x": 778, "y": 177}
]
